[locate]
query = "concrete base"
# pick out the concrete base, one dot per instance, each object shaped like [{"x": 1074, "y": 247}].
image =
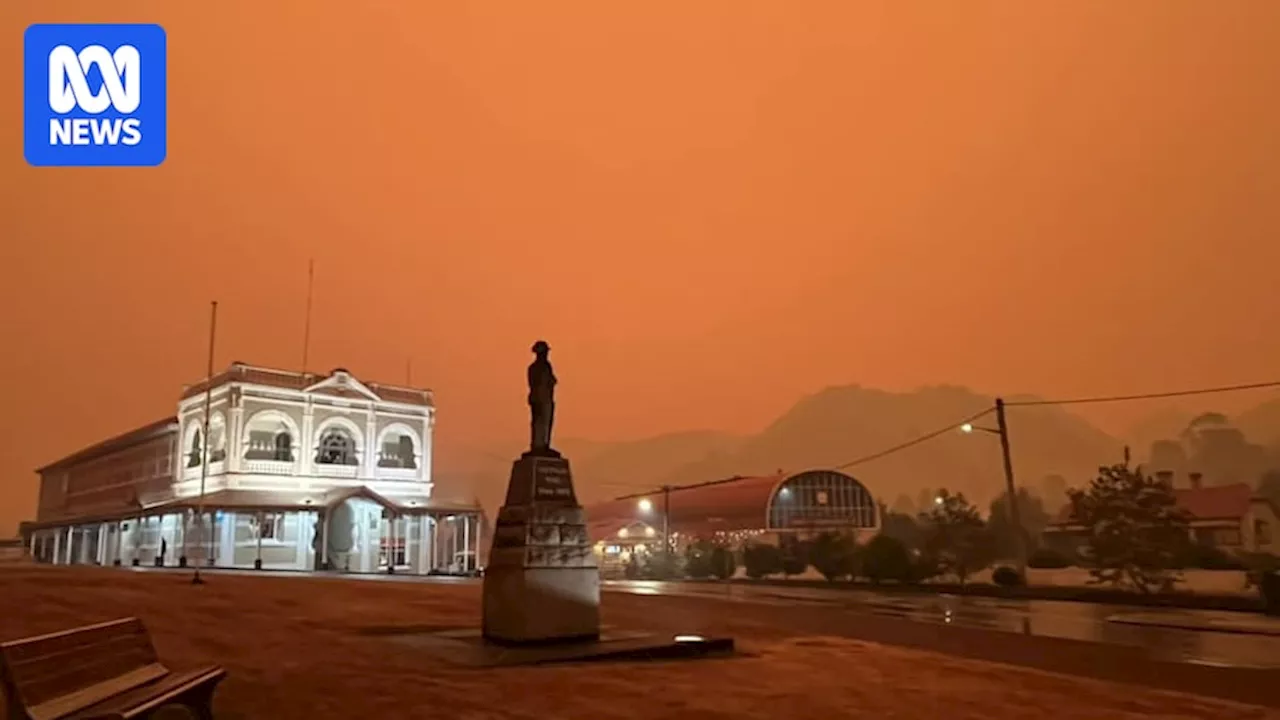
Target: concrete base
[
  {"x": 539, "y": 605},
  {"x": 467, "y": 647}
]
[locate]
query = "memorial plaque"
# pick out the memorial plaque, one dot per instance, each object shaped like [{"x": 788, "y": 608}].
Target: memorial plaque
[{"x": 551, "y": 482}]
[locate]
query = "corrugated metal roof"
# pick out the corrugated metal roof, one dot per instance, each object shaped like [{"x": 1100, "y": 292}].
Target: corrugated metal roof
[{"x": 741, "y": 504}]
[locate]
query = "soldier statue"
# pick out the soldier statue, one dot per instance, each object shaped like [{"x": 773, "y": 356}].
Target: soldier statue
[{"x": 542, "y": 402}]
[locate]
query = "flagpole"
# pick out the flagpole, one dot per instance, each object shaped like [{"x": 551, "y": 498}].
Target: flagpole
[
  {"x": 204, "y": 448},
  {"x": 306, "y": 331}
]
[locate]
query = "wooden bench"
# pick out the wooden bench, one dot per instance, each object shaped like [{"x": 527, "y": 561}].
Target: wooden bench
[{"x": 108, "y": 670}]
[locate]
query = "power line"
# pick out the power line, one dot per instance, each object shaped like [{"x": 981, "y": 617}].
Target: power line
[
  {"x": 949, "y": 428},
  {"x": 953, "y": 427},
  {"x": 1149, "y": 396}
]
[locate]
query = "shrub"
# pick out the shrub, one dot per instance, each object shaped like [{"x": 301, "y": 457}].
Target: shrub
[
  {"x": 1269, "y": 586},
  {"x": 924, "y": 567},
  {"x": 698, "y": 560},
  {"x": 1005, "y": 576},
  {"x": 834, "y": 555},
  {"x": 886, "y": 558},
  {"x": 795, "y": 559},
  {"x": 761, "y": 560},
  {"x": 722, "y": 563},
  {"x": 1048, "y": 559}
]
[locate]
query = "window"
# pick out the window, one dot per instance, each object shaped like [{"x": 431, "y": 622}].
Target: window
[
  {"x": 268, "y": 445},
  {"x": 1227, "y": 537},
  {"x": 337, "y": 447},
  {"x": 1261, "y": 532},
  {"x": 398, "y": 453},
  {"x": 271, "y": 526},
  {"x": 194, "y": 455}
]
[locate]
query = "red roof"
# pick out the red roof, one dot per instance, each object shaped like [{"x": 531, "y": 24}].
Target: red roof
[
  {"x": 1216, "y": 502},
  {"x": 738, "y": 505}
]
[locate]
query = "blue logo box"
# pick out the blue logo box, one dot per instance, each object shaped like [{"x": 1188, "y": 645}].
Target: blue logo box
[{"x": 95, "y": 95}]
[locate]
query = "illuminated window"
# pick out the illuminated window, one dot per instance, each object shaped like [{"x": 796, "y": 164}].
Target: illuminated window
[
  {"x": 337, "y": 447},
  {"x": 398, "y": 453}
]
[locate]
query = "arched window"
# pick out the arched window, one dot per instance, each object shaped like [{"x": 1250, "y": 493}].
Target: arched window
[
  {"x": 337, "y": 447},
  {"x": 195, "y": 455},
  {"x": 270, "y": 435},
  {"x": 398, "y": 452},
  {"x": 217, "y": 438}
]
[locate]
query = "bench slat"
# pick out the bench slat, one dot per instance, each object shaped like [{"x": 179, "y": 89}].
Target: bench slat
[
  {"x": 175, "y": 688},
  {"x": 67, "y": 704},
  {"x": 46, "y": 667},
  {"x": 107, "y": 670}
]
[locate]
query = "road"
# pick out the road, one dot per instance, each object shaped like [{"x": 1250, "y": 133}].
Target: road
[{"x": 1246, "y": 643}]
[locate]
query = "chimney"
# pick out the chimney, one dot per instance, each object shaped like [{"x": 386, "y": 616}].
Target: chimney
[
  {"x": 1195, "y": 478},
  {"x": 1165, "y": 477}
]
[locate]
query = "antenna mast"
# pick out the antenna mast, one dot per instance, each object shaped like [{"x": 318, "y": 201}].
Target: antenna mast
[{"x": 306, "y": 331}]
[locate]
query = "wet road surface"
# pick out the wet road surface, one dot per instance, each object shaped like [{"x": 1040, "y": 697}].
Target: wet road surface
[{"x": 1239, "y": 640}]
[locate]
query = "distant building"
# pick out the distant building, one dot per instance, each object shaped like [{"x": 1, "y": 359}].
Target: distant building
[
  {"x": 12, "y": 549},
  {"x": 775, "y": 508},
  {"x": 305, "y": 472},
  {"x": 1229, "y": 517}
]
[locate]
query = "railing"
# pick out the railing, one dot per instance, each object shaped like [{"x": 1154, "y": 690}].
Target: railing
[
  {"x": 395, "y": 473},
  {"x": 338, "y": 471},
  {"x": 269, "y": 467}
]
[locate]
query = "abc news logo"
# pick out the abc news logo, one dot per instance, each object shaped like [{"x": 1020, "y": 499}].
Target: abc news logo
[
  {"x": 121, "y": 90},
  {"x": 95, "y": 95}
]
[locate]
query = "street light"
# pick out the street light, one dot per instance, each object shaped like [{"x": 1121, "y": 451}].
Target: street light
[
  {"x": 646, "y": 505},
  {"x": 970, "y": 427},
  {"x": 1002, "y": 429}
]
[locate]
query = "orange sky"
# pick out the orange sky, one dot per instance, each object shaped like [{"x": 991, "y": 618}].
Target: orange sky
[{"x": 707, "y": 208}]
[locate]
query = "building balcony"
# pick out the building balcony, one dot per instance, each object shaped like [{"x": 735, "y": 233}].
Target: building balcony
[
  {"x": 337, "y": 471},
  {"x": 269, "y": 467},
  {"x": 395, "y": 473}
]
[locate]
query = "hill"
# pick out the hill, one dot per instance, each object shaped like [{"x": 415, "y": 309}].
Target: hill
[{"x": 826, "y": 429}]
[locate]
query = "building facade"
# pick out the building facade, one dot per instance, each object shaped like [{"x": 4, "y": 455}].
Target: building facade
[
  {"x": 1232, "y": 517},
  {"x": 294, "y": 471},
  {"x": 777, "y": 509}
]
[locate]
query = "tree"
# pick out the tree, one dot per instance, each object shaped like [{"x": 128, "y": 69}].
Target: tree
[
  {"x": 1031, "y": 515},
  {"x": 1137, "y": 533},
  {"x": 1269, "y": 486},
  {"x": 1053, "y": 491},
  {"x": 722, "y": 563},
  {"x": 761, "y": 560},
  {"x": 955, "y": 534},
  {"x": 886, "y": 558},
  {"x": 904, "y": 506},
  {"x": 902, "y": 528},
  {"x": 834, "y": 555}
]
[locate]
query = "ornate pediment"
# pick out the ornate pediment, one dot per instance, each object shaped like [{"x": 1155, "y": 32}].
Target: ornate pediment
[{"x": 341, "y": 383}]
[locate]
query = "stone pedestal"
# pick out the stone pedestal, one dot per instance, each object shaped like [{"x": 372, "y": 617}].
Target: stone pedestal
[{"x": 541, "y": 583}]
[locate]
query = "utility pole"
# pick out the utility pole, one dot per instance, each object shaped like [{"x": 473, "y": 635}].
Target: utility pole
[
  {"x": 1015, "y": 516},
  {"x": 204, "y": 447},
  {"x": 666, "y": 527}
]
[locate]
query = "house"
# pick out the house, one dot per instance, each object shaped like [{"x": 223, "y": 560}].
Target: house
[{"x": 1230, "y": 517}]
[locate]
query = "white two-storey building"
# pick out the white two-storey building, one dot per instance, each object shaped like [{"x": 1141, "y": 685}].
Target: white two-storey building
[{"x": 296, "y": 471}]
